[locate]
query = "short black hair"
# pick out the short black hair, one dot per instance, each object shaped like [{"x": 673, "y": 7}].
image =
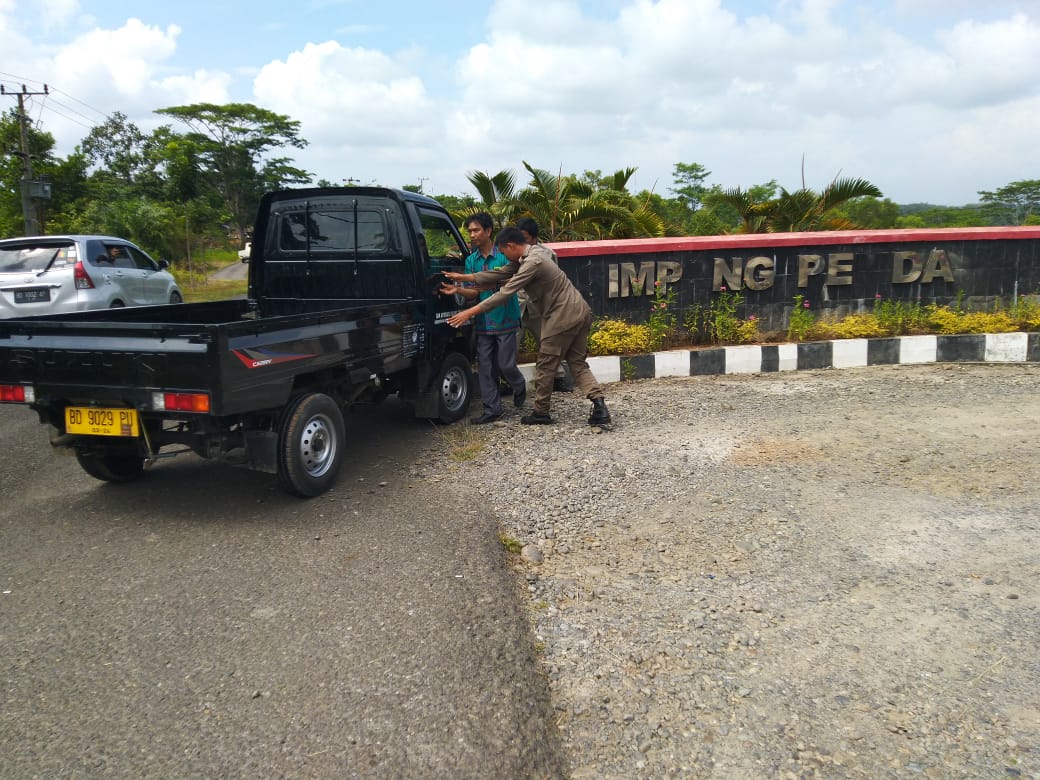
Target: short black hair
[
  {"x": 529, "y": 226},
  {"x": 510, "y": 235},
  {"x": 482, "y": 218}
]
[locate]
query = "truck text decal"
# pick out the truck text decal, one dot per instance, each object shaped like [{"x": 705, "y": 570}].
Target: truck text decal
[{"x": 258, "y": 358}]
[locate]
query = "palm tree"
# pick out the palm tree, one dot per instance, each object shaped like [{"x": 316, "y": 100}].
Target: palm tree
[
  {"x": 568, "y": 208},
  {"x": 497, "y": 196},
  {"x": 801, "y": 210}
]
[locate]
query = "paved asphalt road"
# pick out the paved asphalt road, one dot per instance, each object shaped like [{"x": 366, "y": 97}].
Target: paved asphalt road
[{"x": 200, "y": 623}]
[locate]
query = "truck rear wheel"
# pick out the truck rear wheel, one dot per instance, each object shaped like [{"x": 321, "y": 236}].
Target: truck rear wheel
[
  {"x": 110, "y": 468},
  {"x": 454, "y": 387},
  {"x": 310, "y": 445}
]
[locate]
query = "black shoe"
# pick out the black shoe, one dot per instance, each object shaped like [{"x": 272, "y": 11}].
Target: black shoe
[
  {"x": 487, "y": 417},
  {"x": 504, "y": 389},
  {"x": 600, "y": 414},
  {"x": 561, "y": 385},
  {"x": 519, "y": 397},
  {"x": 537, "y": 418}
]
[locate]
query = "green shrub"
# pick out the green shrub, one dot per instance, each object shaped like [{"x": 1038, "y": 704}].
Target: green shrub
[
  {"x": 801, "y": 321},
  {"x": 617, "y": 337}
]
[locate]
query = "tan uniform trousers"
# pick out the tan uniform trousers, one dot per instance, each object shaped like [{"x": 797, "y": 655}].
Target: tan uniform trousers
[{"x": 572, "y": 346}]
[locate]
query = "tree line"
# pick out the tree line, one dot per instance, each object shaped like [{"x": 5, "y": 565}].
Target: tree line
[{"x": 197, "y": 183}]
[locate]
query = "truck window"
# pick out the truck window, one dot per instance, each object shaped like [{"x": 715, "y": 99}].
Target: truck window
[
  {"x": 441, "y": 239},
  {"x": 332, "y": 231}
]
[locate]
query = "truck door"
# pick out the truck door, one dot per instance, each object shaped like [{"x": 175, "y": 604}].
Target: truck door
[{"x": 443, "y": 249}]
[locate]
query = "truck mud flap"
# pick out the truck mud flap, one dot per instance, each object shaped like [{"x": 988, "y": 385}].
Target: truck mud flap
[{"x": 262, "y": 451}]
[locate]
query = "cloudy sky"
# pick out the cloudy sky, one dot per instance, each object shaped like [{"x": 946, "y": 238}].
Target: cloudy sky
[{"x": 932, "y": 100}]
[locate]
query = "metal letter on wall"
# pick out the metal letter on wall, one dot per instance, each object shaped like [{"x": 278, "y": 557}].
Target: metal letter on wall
[
  {"x": 938, "y": 263},
  {"x": 809, "y": 265},
  {"x": 759, "y": 273},
  {"x": 839, "y": 268},
  {"x": 900, "y": 273},
  {"x": 612, "y": 280},
  {"x": 633, "y": 283},
  {"x": 730, "y": 274},
  {"x": 668, "y": 272}
]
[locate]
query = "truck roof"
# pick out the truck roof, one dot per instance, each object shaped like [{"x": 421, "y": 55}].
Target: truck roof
[{"x": 318, "y": 192}]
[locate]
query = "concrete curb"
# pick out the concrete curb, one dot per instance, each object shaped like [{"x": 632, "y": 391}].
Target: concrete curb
[{"x": 839, "y": 353}]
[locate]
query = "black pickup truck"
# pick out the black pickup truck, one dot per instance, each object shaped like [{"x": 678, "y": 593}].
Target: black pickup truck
[{"x": 343, "y": 307}]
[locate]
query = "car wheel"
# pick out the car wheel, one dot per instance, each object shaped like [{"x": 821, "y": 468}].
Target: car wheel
[
  {"x": 175, "y": 297},
  {"x": 109, "y": 467},
  {"x": 117, "y": 305},
  {"x": 454, "y": 385},
  {"x": 310, "y": 445}
]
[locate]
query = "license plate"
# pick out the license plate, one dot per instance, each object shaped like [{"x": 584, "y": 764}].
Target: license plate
[
  {"x": 95, "y": 421},
  {"x": 34, "y": 295}
]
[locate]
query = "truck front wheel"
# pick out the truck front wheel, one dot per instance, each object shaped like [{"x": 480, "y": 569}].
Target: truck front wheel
[
  {"x": 310, "y": 445},
  {"x": 453, "y": 388},
  {"x": 110, "y": 468}
]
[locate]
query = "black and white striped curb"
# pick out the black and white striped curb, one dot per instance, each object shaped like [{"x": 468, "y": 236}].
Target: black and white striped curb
[{"x": 839, "y": 353}]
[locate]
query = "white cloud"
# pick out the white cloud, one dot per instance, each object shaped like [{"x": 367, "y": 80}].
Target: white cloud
[
  {"x": 927, "y": 105},
  {"x": 689, "y": 80},
  {"x": 348, "y": 98}
]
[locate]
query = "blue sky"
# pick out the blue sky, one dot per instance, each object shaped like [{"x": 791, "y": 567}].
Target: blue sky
[{"x": 932, "y": 100}]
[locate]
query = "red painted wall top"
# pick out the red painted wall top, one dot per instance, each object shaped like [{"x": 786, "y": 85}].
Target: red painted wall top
[{"x": 744, "y": 241}]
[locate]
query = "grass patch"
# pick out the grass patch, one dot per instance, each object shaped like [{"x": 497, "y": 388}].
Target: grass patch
[
  {"x": 215, "y": 290},
  {"x": 509, "y": 544},
  {"x": 464, "y": 442}
]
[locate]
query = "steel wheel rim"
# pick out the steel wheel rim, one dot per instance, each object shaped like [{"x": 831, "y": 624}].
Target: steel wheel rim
[
  {"x": 453, "y": 389},
  {"x": 318, "y": 445}
]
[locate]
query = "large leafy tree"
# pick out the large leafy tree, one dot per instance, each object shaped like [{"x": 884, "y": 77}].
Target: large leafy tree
[
  {"x": 690, "y": 187},
  {"x": 230, "y": 147},
  {"x": 1012, "y": 204}
]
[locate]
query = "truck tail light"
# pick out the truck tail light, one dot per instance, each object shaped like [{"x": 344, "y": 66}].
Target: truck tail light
[
  {"x": 79, "y": 274},
  {"x": 17, "y": 394},
  {"x": 180, "y": 402}
]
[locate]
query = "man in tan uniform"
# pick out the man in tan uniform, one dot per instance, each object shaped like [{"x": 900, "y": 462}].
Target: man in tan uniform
[
  {"x": 531, "y": 314},
  {"x": 566, "y": 320}
]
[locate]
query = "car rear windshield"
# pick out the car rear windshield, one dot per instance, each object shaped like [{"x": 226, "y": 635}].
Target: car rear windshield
[{"x": 36, "y": 257}]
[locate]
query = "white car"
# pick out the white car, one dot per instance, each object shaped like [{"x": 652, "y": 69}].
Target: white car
[
  {"x": 243, "y": 254},
  {"x": 58, "y": 274}
]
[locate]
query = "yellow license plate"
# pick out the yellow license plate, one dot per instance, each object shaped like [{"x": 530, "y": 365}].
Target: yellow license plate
[{"x": 96, "y": 421}]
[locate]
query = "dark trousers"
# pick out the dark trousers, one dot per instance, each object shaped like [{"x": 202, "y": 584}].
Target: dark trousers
[{"x": 497, "y": 350}]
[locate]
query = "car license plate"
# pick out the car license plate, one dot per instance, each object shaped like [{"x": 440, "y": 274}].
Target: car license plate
[
  {"x": 34, "y": 295},
  {"x": 95, "y": 421}
]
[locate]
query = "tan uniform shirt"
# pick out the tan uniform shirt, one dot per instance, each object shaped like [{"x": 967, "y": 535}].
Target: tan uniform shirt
[
  {"x": 528, "y": 309},
  {"x": 561, "y": 305}
]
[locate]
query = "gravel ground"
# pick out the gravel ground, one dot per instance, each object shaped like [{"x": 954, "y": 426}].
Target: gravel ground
[{"x": 799, "y": 575}]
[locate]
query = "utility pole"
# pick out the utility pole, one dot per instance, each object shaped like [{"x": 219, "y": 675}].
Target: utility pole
[
  {"x": 421, "y": 180},
  {"x": 32, "y": 226}
]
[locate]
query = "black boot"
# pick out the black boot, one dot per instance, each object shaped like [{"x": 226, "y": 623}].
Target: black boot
[
  {"x": 537, "y": 418},
  {"x": 600, "y": 414}
]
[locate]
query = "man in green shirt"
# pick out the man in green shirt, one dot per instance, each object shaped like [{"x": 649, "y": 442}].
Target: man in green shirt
[{"x": 497, "y": 329}]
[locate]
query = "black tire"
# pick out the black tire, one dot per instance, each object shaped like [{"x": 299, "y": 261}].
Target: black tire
[
  {"x": 454, "y": 388},
  {"x": 175, "y": 297},
  {"x": 109, "y": 467},
  {"x": 117, "y": 305},
  {"x": 310, "y": 445}
]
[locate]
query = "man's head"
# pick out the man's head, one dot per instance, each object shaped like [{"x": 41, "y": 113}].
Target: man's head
[
  {"x": 529, "y": 228},
  {"x": 479, "y": 227},
  {"x": 512, "y": 243}
]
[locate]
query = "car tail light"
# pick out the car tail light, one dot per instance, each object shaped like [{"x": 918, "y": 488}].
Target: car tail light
[
  {"x": 180, "y": 402},
  {"x": 79, "y": 273},
  {"x": 17, "y": 394}
]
